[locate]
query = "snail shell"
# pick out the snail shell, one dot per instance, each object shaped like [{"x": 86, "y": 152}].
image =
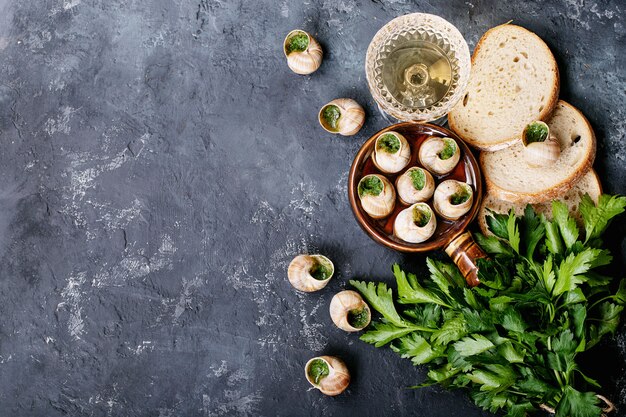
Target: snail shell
[
  {"x": 536, "y": 131},
  {"x": 541, "y": 154},
  {"x": 345, "y": 307},
  {"x": 453, "y": 199},
  {"x": 303, "y": 62},
  {"x": 303, "y": 270},
  {"x": 415, "y": 224},
  {"x": 407, "y": 185},
  {"x": 540, "y": 147},
  {"x": 391, "y": 152},
  {"x": 434, "y": 155},
  {"x": 379, "y": 205},
  {"x": 351, "y": 117},
  {"x": 336, "y": 381}
]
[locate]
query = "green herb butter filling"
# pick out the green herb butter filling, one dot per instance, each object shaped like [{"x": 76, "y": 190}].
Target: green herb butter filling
[
  {"x": 297, "y": 43},
  {"x": 421, "y": 216},
  {"x": 371, "y": 185},
  {"x": 418, "y": 178},
  {"x": 536, "y": 132},
  {"x": 460, "y": 196},
  {"x": 389, "y": 143},
  {"x": 318, "y": 369},
  {"x": 449, "y": 149},
  {"x": 320, "y": 272},
  {"x": 357, "y": 318},
  {"x": 331, "y": 115}
]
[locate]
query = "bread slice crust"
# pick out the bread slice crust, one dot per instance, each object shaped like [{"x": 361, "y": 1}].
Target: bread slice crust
[
  {"x": 557, "y": 189},
  {"x": 590, "y": 184},
  {"x": 543, "y": 115}
]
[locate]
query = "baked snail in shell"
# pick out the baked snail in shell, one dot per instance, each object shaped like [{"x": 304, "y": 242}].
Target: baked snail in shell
[
  {"x": 303, "y": 52},
  {"x": 439, "y": 155},
  {"x": 415, "y": 185},
  {"x": 452, "y": 199},
  {"x": 415, "y": 224},
  {"x": 377, "y": 195},
  {"x": 310, "y": 273},
  {"x": 328, "y": 374},
  {"x": 391, "y": 152},
  {"x": 349, "y": 312},
  {"x": 540, "y": 148},
  {"x": 342, "y": 115}
]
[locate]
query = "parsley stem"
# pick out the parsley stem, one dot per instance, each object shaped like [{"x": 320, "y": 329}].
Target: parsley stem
[
  {"x": 550, "y": 343},
  {"x": 558, "y": 378},
  {"x": 421, "y": 329},
  {"x": 512, "y": 391},
  {"x": 600, "y": 300},
  {"x": 551, "y": 312}
]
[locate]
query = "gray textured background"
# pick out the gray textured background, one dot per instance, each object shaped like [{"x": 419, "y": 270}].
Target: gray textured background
[{"x": 160, "y": 166}]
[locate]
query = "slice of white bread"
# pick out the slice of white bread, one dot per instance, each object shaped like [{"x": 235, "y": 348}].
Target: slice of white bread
[
  {"x": 509, "y": 177},
  {"x": 514, "y": 81},
  {"x": 588, "y": 184}
]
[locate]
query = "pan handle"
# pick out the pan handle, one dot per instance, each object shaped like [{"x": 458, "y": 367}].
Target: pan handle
[{"x": 464, "y": 252}]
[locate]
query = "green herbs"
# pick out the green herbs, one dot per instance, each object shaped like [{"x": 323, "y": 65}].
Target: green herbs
[
  {"x": 331, "y": 115},
  {"x": 418, "y": 178},
  {"x": 297, "y": 43},
  {"x": 371, "y": 185},
  {"x": 421, "y": 216},
  {"x": 513, "y": 341},
  {"x": 448, "y": 150},
  {"x": 461, "y": 196},
  {"x": 358, "y": 318},
  {"x": 388, "y": 143},
  {"x": 317, "y": 370},
  {"x": 320, "y": 272},
  {"x": 536, "y": 132}
]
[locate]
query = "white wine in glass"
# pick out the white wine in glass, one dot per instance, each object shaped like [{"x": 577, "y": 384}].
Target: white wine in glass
[{"x": 417, "y": 67}]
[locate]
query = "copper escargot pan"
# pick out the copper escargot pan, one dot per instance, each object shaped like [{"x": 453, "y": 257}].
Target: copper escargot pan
[{"x": 449, "y": 235}]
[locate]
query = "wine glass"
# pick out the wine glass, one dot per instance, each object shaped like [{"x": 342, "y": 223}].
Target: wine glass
[{"x": 417, "y": 67}]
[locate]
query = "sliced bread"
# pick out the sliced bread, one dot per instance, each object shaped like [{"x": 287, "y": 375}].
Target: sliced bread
[
  {"x": 509, "y": 177},
  {"x": 588, "y": 184},
  {"x": 514, "y": 81}
]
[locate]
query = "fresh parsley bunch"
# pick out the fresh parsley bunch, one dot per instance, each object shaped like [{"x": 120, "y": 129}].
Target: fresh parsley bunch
[{"x": 513, "y": 340}]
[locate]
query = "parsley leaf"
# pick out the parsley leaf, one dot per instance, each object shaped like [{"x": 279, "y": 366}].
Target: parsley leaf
[
  {"x": 597, "y": 218},
  {"x": 620, "y": 296},
  {"x": 381, "y": 299},
  {"x": 384, "y": 333},
  {"x": 512, "y": 321},
  {"x": 494, "y": 377},
  {"x": 413, "y": 293},
  {"x": 547, "y": 273},
  {"x": 441, "y": 374},
  {"x": 453, "y": 329},
  {"x": 493, "y": 245},
  {"x": 578, "y": 404},
  {"x": 607, "y": 321},
  {"x": 553, "y": 237},
  {"x": 473, "y": 345},
  {"x": 417, "y": 348},
  {"x": 513, "y": 231},
  {"x": 567, "y": 225},
  {"x": 521, "y": 409},
  {"x": 533, "y": 231},
  {"x": 571, "y": 269},
  {"x": 491, "y": 400},
  {"x": 511, "y": 353},
  {"x": 497, "y": 224}
]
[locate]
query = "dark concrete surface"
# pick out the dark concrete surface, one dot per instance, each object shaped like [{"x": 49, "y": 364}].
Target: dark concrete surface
[{"x": 160, "y": 167}]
